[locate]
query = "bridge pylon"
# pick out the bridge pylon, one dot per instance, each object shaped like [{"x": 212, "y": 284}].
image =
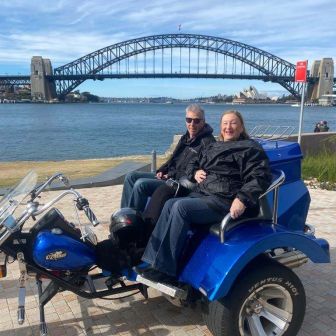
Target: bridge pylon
[
  {"x": 321, "y": 90},
  {"x": 42, "y": 88}
]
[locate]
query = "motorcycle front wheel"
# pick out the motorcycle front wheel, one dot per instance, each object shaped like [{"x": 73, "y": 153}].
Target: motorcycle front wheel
[{"x": 269, "y": 301}]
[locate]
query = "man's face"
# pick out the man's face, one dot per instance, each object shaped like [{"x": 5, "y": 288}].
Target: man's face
[{"x": 196, "y": 123}]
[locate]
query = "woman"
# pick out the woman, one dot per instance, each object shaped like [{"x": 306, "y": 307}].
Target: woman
[{"x": 231, "y": 175}]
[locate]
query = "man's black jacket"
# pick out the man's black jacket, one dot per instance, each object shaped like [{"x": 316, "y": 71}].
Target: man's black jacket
[
  {"x": 234, "y": 169},
  {"x": 185, "y": 150}
]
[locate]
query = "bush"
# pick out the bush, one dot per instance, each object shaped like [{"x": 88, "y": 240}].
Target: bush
[{"x": 322, "y": 168}]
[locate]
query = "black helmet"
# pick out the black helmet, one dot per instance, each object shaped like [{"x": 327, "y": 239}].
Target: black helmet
[{"x": 127, "y": 226}]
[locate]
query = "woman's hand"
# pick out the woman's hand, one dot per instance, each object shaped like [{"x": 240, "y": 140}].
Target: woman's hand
[
  {"x": 200, "y": 176},
  {"x": 237, "y": 208},
  {"x": 160, "y": 176}
]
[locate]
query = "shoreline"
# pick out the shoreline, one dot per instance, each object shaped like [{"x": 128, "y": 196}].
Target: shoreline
[
  {"x": 124, "y": 157},
  {"x": 14, "y": 171}
]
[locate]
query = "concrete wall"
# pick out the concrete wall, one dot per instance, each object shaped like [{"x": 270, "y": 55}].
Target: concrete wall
[
  {"x": 314, "y": 143},
  {"x": 311, "y": 143}
]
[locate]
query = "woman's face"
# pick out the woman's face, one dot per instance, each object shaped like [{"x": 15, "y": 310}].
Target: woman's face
[{"x": 231, "y": 127}]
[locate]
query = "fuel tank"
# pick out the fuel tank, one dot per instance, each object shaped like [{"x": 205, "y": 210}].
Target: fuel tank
[{"x": 55, "y": 250}]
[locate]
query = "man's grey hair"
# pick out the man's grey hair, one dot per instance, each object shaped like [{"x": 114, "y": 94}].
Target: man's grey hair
[{"x": 197, "y": 109}]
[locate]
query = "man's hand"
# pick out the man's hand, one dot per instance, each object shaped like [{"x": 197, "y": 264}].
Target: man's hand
[
  {"x": 200, "y": 175},
  {"x": 237, "y": 208},
  {"x": 160, "y": 176}
]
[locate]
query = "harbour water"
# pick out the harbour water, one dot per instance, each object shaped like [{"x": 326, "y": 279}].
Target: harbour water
[{"x": 42, "y": 132}]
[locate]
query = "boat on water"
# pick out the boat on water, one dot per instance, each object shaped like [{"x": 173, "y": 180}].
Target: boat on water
[{"x": 305, "y": 104}]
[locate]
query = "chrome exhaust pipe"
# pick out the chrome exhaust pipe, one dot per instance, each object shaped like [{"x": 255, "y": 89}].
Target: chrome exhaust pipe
[{"x": 292, "y": 259}]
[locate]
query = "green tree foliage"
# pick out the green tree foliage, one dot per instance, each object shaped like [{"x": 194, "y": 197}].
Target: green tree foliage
[{"x": 90, "y": 97}]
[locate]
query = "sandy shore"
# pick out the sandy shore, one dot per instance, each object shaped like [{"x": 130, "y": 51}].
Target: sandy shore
[{"x": 12, "y": 172}]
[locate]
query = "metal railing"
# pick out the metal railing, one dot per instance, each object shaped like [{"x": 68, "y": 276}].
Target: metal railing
[
  {"x": 269, "y": 132},
  {"x": 274, "y": 186}
]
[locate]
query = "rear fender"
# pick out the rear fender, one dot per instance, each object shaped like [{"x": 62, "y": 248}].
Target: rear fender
[{"x": 214, "y": 267}]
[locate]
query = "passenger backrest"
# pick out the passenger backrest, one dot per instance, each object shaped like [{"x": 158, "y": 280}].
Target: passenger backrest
[{"x": 264, "y": 214}]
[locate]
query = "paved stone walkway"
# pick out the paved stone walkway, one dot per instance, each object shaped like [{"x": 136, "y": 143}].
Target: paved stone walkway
[{"x": 70, "y": 315}]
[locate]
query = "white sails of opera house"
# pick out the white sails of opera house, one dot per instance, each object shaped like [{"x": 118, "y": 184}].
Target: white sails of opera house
[{"x": 249, "y": 94}]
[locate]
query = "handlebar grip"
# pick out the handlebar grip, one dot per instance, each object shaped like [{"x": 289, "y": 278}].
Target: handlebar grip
[{"x": 90, "y": 215}]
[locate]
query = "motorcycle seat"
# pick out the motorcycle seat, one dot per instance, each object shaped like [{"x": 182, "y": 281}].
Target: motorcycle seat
[{"x": 264, "y": 213}]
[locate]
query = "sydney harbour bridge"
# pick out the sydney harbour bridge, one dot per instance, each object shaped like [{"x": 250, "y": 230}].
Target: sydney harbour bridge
[{"x": 160, "y": 56}]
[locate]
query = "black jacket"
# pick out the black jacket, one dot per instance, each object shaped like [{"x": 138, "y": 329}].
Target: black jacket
[
  {"x": 234, "y": 169},
  {"x": 185, "y": 150}
]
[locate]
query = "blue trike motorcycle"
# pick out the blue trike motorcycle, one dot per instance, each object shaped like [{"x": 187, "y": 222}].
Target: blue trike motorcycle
[{"x": 239, "y": 270}]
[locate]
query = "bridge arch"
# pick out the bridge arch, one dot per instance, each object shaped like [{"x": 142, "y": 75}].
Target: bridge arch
[{"x": 272, "y": 68}]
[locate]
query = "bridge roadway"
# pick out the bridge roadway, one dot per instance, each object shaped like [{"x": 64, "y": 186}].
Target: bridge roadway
[
  {"x": 173, "y": 55},
  {"x": 69, "y": 315},
  {"x": 12, "y": 79}
]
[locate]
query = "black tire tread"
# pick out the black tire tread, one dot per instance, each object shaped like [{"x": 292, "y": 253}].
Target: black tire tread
[{"x": 218, "y": 313}]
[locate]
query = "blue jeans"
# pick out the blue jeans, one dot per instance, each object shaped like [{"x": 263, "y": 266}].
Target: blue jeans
[
  {"x": 168, "y": 239},
  {"x": 138, "y": 186}
]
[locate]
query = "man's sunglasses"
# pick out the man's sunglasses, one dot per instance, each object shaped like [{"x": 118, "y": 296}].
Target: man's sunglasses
[{"x": 195, "y": 120}]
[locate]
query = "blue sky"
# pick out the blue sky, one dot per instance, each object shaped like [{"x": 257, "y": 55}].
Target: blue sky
[{"x": 64, "y": 30}]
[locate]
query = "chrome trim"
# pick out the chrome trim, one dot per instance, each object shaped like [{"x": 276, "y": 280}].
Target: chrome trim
[
  {"x": 309, "y": 230},
  {"x": 4, "y": 236},
  {"x": 222, "y": 228},
  {"x": 168, "y": 289},
  {"x": 45, "y": 184},
  {"x": 274, "y": 186},
  {"x": 52, "y": 202},
  {"x": 292, "y": 259},
  {"x": 268, "y": 310}
]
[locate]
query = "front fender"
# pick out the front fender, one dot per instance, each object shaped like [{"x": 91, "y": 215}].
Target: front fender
[{"x": 214, "y": 267}]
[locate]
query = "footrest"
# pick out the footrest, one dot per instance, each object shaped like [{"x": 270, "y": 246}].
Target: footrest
[{"x": 168, "y": 289}]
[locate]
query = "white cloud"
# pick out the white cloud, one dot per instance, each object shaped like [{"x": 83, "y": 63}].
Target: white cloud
[{"x": 64, "y": 30}]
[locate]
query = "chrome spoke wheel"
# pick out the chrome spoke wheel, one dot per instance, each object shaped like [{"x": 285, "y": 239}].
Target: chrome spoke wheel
[
  {"x": 267, "y": 311},
  {"x": 267, "y": 300}
]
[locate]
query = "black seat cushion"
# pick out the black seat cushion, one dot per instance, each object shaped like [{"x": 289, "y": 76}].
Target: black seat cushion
[{"x": 263, "y": 213}]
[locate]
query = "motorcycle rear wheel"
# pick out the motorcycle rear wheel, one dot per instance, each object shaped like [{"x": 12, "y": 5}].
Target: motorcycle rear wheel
[{"x": 264, "y": 302}]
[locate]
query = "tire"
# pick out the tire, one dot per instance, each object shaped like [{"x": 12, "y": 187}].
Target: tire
[{"x": 268, "y": 301}]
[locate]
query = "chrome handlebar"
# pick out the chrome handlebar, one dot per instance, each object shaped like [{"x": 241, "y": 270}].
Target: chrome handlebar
[
  {"x": 88, "y": 212},
  {"x": 33, "y": 209},
  {"x": 59, "y": 176},
  {"x": 91, "y": 216},
  {"x": 55, "y": 200}
]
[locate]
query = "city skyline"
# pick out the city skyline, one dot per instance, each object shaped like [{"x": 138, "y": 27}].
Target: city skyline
[{"x": 65, "y": 30}]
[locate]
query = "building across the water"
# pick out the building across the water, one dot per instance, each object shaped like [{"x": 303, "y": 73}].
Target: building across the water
[{"x": 249, "y": 95}]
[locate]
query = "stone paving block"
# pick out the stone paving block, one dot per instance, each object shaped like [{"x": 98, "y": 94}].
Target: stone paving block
[
  {"x": 70, "y": 315},
  {"x": 179, "y": 332}
]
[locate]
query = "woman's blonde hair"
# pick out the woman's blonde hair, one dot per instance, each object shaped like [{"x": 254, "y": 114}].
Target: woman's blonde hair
[{"x": 243, "y": 135}]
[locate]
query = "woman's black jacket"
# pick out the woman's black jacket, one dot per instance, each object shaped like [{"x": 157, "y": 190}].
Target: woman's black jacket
[
  {"x": 185, "y": 150},
  {"x": 234, "y": 169}
]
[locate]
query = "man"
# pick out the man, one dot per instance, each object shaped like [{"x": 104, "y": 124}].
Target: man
[
  {"x": 323, "y": 126},
  {"x": 138, "y": 186}
]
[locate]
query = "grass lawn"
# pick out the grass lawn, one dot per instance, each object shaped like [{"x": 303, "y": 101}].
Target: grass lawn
[
  {"x": 321, "y": 167},
  {"x": 12, "y": 172}
]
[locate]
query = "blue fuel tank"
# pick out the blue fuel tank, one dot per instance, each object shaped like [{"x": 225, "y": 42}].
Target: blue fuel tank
[{"x": 57, "y": 251}]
